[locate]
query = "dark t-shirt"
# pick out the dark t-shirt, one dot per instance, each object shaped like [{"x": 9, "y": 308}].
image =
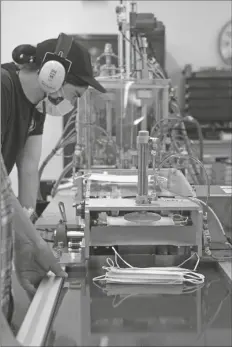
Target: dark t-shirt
[{"x": 19, "y": 117}]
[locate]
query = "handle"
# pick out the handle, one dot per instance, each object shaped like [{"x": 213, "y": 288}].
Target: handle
[{"x": 62, "y": 211}]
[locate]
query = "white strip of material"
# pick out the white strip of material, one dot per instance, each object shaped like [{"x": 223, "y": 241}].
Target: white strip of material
[
  {"x": 36, "y": 322},
  {"x": 226, "y": 268}
]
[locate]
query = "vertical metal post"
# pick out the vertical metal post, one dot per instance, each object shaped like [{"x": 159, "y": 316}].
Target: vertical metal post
[
  {"x": 128, "y": 41},
  {"x": 142, "y": 145},
  {"x": 120, "y": 54}
]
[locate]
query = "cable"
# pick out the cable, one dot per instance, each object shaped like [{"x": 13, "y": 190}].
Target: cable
[
  {"x": 63, "y": 142},
  {"x": 163, "y": 120},
  {"x": 179, "y": 156},
  {"x": 63, "y": 173},
  {"x": 179, "y": 120},
  {"x": 58, "y": 145},
  {"x": 186, "y": 140},
  {"x": 156, "y": 74},
  {"x": 200, "y": 134},
  {"x": 153, "y": 52},
  {"x": 174, "y": 102},
  {"x": 228, "y": 239},
  {"x": 201, "y": 202}
]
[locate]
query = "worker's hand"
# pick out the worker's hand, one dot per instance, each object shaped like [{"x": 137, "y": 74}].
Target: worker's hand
[{"x": 33, "y": 262}]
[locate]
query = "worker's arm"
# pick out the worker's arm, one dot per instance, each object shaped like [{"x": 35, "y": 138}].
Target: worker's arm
[
  {"x": 7, "y": 338},
  {"x": 33, "y": 257},
  {"x": 28, "y": 161},
  {"x": 28, "y": 166}
]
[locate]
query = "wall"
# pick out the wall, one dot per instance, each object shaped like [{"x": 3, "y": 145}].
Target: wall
[{"x": 191, "y": 26}]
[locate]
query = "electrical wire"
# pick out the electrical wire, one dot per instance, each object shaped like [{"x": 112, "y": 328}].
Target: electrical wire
[
  {"x": 70, "y": 138},
  {"x": 200, "y": 202},
  {"x": 180, "y": 119},
  {"x": 199, "y": 131},
  {"x": 179, "y": 156},
  {"x": 156, "y": 73},
  {"x": 227, "y": 238},
  {"x": 67, "y": 168},
  {"x": 177, "y": 118},
  {"x": 58, "y": 145}
]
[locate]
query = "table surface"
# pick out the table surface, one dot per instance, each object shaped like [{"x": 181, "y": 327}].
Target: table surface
[
  {"x": 140, "y": 320},
  {"x": 141, "y": 315}
]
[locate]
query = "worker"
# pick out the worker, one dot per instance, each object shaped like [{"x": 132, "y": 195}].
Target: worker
[
  {"x": 41, "y": 74},
  {"x": 23, "y": 86},
  {"x": 32, "y": 256}
]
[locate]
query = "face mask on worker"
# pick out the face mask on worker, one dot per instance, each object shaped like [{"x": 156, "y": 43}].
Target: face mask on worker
[{"x": 56, "y": 107}]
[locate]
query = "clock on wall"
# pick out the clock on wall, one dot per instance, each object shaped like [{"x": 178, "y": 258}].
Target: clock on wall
[{"x": 225, "y": 43}]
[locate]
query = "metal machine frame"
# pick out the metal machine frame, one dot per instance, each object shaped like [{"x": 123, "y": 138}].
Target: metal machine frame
[
  {"x": 146, "y": 90},
  {"x": 132, "y": 234}
]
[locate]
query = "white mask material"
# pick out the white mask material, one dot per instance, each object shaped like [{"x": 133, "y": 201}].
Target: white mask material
[
  {"x": 59, "y": 110},
  {"x": 126, "y": 291},
  {"x": 151, "y": 275}
]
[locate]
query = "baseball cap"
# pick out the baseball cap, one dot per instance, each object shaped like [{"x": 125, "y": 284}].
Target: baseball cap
[{"x": 81, "y": 72}]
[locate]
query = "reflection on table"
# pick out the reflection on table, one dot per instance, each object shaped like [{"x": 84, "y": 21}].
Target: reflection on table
[{"x": 142, "y": 315}]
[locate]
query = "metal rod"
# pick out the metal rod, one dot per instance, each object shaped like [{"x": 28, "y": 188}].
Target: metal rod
[
  {"x": 75, "y": 234},
  {"x": 128, "y": 41},
  {"x": 120, "y": 54},
  {"x": 142, "y": 143}
]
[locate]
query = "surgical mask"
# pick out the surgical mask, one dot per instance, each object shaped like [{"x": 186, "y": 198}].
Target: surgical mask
[
  {"x": 154, "y": 275},
  {"x": 60, "y": 109},
  {"x": 57, "y": 108},
  {"x": 125, "y": 291}
]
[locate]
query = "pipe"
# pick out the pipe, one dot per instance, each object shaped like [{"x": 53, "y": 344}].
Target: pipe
[{"x": 142, "y": 146}]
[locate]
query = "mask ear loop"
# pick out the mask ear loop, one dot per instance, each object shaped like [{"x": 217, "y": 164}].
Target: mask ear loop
[
  {"x": 194, "y": 278},
  {"x": 118, "y": 255},
  {"x": 197, "y": 263},
  {"x": 109, "y": 262},
  {"x": 107, "y": 268},
  {"x": 116, "y": 304},
  {"x": 98, "y": 286},
  {"x": 192, "y": 289},
  {"x": 190, "y": 276}
]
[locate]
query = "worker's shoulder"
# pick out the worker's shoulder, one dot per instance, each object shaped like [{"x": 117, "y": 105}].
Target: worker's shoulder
[{"x": 6, "y": 80}]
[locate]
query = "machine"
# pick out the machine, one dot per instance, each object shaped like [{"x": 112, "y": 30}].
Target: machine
[
  {"x": 132, "y": 157},
  {"x": 128, "y": 190},
  {"x": 149, "y": 207}
]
